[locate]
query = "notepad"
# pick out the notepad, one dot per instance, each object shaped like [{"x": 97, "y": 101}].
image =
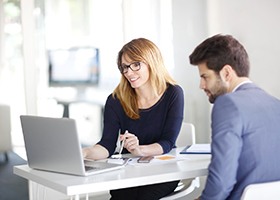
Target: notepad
[{"x": 197, "y": 149}]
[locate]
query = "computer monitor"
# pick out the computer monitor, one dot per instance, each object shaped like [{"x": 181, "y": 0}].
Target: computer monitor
[{"x": 74, "y": 67}]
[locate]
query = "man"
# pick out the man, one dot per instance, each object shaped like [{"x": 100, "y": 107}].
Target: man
[{"x": 245, "y": 120}]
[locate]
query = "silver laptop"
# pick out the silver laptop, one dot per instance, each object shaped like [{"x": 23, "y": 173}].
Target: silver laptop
[{"x": 52, "y": 144}]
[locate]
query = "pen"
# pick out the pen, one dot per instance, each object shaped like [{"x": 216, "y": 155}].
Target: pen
[
  {"x": 119, "y": 155},
  {"x": 122, "y": 144}
]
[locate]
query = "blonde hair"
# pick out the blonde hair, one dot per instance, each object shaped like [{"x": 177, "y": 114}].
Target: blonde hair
[{"x": 141, "y": 50}]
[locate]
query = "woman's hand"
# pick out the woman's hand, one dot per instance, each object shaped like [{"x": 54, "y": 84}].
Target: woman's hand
[
  {"x": 95, "y": 152},
  {"x": 131, "y": 143}
]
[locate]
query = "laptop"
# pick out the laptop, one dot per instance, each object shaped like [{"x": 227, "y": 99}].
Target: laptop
[{"x": 52, "y": 144}]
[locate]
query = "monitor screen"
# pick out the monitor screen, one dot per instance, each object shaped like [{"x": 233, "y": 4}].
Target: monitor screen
[{"x": 78, "y": 66}]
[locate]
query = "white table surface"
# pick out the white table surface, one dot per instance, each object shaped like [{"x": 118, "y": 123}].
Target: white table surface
[{"x": 189, "y": 166}]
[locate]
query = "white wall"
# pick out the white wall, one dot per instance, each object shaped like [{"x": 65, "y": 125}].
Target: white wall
[
  {"x": 189, "y": 28},
  {"x": 256, "y": 24},
  {"x": 253, "y": 22}
]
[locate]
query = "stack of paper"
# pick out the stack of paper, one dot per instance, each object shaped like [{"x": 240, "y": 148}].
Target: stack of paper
[{"x": 197, "y": 149}]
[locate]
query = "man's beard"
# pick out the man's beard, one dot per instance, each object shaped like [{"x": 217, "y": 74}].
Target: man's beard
[{"x": 218, "y": 90}]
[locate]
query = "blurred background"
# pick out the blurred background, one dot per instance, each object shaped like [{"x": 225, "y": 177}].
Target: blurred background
[{"x": 42, "y": 43}]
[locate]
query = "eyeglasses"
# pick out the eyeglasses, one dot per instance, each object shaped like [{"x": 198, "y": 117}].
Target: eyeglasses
[{"x": 135, "y": 66}]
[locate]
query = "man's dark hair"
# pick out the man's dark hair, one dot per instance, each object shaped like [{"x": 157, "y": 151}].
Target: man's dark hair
[{"x": 220, "y": 50}]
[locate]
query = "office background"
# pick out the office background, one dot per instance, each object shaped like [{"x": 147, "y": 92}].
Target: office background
[{"x": 29, "y": 27}]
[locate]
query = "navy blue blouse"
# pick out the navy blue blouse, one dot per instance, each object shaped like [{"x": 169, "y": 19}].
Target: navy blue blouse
[{"x": 160, "y": 123}]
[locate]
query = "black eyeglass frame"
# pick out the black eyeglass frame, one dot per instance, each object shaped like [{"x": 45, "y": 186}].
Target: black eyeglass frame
[{"x": 124, "y": 68}]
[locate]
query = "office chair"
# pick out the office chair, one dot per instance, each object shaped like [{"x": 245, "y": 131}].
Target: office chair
[
  {"x": 186, "y": 186},
  {"x": 5, "y": 130},
  {"x": 260, "y": 191}
]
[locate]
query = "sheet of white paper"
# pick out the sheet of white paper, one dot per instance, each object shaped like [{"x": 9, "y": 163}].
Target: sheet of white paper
[{"x": 196, "y": 148}]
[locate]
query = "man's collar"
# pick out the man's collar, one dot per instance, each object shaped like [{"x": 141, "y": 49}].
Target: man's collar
[{"x": 243, "y": 82}]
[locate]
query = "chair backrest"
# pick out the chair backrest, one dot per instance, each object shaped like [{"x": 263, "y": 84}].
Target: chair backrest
[
  {"x": 186, "y": 186},
  {"x": 259, "y": 191},
  {"x": 186, "y": 135},
  {"x": 5, "y": 128}
]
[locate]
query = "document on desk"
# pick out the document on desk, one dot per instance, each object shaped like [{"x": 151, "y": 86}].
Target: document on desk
[{"x": 197, "y": 149}]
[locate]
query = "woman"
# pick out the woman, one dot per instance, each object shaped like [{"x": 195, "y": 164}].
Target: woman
[{"x": 147, "y": 107}]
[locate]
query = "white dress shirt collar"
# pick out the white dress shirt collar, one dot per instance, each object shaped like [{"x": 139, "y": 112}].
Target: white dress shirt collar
[{"x": 247, "y": 81}]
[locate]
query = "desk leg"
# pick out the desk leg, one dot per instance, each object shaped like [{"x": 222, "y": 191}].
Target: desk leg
[
  {"x": 30, "y": 190},
  {"x": 6, "y": 156},
  {"x": 35, "y": 191},
  {"x": 66, "y": 110},
  {"x": 77, "y": 197}
]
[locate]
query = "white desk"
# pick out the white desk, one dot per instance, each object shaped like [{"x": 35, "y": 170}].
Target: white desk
[{"x": 132, "y": 175}]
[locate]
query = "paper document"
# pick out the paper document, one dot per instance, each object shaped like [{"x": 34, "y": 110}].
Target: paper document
[{"x": 197, "y": 149}]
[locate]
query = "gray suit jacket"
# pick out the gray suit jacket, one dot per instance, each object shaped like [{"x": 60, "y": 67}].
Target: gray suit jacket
[{"x": 245, "y": 142}]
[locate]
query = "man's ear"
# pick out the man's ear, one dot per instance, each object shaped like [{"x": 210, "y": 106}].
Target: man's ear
[{"x": 226, "y": 73}]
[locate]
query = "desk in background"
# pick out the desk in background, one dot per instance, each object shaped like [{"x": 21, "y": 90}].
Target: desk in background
[
  {"x": 96, "y": 96},
  {"x": 132, "y": 175}
]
